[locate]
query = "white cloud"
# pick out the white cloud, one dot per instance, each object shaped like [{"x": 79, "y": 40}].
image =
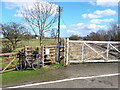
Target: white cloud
[
  {"x": 99, "y": 13},
  {"x": 84, "y": 16},
  {"x": 11, "y": 4},
  {"x": 61, "y": 26},
  {"x": 90, "y": 16},
  {"x": 93, "y": 3},
  {"x": 98, "y": 21},
  {"x": 42, "y": 6},
  {"x": 20, "y": 0},
  {"x": 107, "y": 12},
  {"x": 107, "y": 3},
  {"x": 74, "y": 32},
  {"x": 82, "y": 27},
  {"x": 77, "y": 25}
]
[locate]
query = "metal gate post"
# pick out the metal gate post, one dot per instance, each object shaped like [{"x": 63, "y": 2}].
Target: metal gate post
[
  {"x": 107, "y": 51},
  {"x": 82, "y": 52},
  {"x": 67, "y": 50}
]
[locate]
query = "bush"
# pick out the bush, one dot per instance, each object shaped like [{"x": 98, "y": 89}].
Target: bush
[
  {"x": 74, "y": 37},
  {"x": 6, "y": 47}
]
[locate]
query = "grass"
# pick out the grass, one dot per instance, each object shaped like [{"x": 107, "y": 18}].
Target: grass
[
  {"x": 58, "y": 65},
  {"x": 16, "y": 77},
  {"x": 34, "y": 42},
  {"x": 20, "y": 77}
]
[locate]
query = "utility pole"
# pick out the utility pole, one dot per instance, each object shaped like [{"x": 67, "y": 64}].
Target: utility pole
[
  {"x": 59, "y": 24},
  {"x": 59, "y": 34}
]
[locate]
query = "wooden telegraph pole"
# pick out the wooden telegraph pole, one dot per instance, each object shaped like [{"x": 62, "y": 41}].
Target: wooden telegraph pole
[
  {"x": 59, "y": 34},
  {"x": 59, "y": 24}
]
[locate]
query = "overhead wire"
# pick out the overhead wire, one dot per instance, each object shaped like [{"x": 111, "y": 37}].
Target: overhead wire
[{"x": 65, "y": 25}]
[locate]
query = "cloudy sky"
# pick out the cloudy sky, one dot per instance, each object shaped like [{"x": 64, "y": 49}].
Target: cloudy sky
[{"x": 78, "y": 17}]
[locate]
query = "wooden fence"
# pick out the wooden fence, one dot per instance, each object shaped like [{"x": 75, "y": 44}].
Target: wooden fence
[
  {"x": 49, "y": 58},
  {"x": 8, "y": 62}
]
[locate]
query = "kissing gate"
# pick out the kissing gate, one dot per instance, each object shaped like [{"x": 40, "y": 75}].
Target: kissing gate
[{"x": 92, "y": 51}]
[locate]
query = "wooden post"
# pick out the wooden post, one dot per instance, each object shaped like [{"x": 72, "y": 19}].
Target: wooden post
[
  {"x": 25, "y": 51},
  {"x": 59, "y": 25},
  {"x": 64, "y": 49},
  {"x": 56, "y": 54},
  {"x": 67, "y": 50},
  {"x": 43, "y": 55}
]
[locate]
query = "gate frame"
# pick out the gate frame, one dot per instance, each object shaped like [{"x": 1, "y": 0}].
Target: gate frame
[
  {"x": 9, "y": 62},
  {"x": 85, "y": 43}
]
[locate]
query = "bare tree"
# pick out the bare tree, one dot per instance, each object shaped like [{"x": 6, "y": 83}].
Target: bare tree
[
  {"x": 14, "y": 33},
  {"x": 53, "y": 34},
  {"x": 40, "y": 17},
  {"x": 102, "y": 35},
  {"x": 114, "y": 32}
]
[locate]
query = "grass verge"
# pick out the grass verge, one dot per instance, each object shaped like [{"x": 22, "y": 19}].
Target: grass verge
[{"x": 24, "y": 77}]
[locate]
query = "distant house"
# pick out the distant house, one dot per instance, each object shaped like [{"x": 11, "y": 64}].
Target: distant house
[{"x": 36, "y": 37}]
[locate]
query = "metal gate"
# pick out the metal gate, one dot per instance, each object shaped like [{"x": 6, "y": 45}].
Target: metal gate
[{"x": 92, "y": 51}]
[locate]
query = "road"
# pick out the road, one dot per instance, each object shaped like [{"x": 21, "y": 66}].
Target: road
[{"x": 105, "y": 82}]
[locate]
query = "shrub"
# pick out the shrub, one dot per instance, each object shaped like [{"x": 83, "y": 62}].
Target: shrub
[{"x": 74, "y": 37}]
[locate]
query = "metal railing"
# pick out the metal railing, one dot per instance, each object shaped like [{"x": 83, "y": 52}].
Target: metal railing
[{"x": 91, "y": 45}]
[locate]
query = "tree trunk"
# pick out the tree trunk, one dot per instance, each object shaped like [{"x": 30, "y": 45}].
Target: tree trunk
[
  {"x": 41, "y": 39},
  {"x": 41, "y": 43},
  {"x": 14, "y": 47}
]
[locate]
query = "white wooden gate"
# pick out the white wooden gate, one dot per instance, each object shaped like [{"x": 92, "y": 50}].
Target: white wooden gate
[{"x": 92, "y": 51}]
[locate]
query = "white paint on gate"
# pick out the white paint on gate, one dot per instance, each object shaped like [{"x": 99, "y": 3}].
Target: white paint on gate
[{"x": 85, "y": 43}]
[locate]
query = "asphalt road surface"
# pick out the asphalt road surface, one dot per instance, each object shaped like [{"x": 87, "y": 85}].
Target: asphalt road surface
[
  {"x": 105, "y": 82},
  {"x": 87, "y": 70}
]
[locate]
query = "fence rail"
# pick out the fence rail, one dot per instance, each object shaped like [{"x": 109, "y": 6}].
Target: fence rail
[
  {"x": 47, "y": 58},
  {"x": 8, "y": 62},
  {"x": 77, "y": 41}
]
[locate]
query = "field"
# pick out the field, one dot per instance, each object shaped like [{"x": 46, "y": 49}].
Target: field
[{"x": 33, "y": 42}]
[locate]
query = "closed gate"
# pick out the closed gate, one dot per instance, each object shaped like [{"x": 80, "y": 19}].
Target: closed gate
[{"x": 92, "y": 51}]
